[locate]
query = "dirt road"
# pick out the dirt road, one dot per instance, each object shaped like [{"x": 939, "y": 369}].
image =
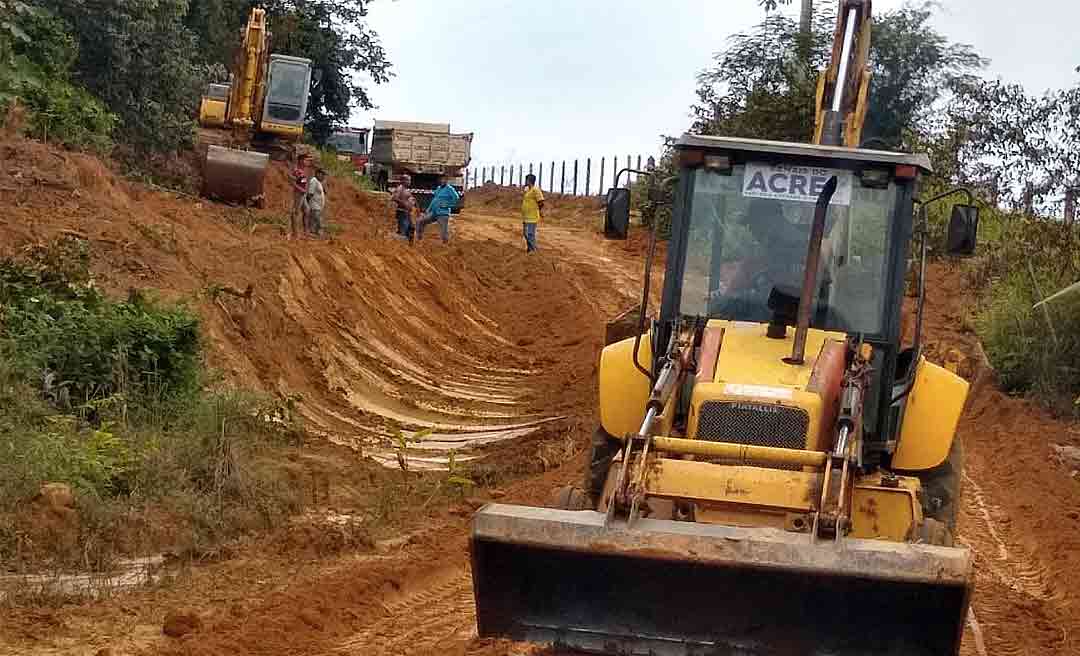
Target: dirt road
[{"x": 477, "y": 343}]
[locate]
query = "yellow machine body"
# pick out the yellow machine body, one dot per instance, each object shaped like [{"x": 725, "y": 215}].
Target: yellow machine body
[
  {"x": 755, "y": 490},
  {"x": 261, "y": 110}
]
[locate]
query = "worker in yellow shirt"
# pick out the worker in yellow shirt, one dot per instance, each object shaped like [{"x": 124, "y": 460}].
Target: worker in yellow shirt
[{"x": 532, "y": 206}]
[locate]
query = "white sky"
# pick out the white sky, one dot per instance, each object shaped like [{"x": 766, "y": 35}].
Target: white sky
[{"x": 538, "y": 80}]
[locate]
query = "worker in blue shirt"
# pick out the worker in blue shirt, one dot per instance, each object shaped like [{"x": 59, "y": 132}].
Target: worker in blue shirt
[{"x": 442, "y": 203}]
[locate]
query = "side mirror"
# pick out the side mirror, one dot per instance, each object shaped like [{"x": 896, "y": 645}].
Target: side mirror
[
  {"x": 963, "y": 229},
  {"x": 617, "y": 214}
]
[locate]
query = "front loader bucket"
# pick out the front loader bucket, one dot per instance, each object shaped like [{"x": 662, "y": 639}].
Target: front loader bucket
[
  {"x": 680, "y": 588},
  {"x": 236, "y": 176}
]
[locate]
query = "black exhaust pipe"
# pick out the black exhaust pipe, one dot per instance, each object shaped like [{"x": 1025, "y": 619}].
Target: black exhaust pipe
[{"x": 813, "y": 258}]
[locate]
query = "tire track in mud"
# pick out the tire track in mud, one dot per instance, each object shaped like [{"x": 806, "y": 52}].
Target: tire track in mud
[
  {"x": 421, "y": 621},
  {"x": 1017, "y": 601}
]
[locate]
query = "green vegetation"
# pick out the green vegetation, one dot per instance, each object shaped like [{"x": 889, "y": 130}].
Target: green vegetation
[
  {"x": 36, "y": 59},
  {"x": 89, "y": 71},
  {"x": 109, "y": 398},
  {"x": 344, "y": 169}
]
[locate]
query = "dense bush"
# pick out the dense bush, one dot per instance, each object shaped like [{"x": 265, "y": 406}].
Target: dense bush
[
  {"x": 82, "y": 346},
  {"x": 1034, "y": 350},
  {"x": 37, "y": 52}
]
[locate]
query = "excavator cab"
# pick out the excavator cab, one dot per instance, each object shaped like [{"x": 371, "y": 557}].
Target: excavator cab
[
  {"x": 285, "y": 107},
  {"x": 768, "y": 472}
]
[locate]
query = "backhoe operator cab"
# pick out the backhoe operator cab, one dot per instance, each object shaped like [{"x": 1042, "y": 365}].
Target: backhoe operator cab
[
  {"x": 741, "y": 229},
  {"x": 740, "y": 237}
]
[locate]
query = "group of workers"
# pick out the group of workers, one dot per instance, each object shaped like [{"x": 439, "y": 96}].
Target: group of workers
[
  {"x": 446, "y": 198},
  {"x": 309, "y": 199},
  {"x": 442, "y": 204}
]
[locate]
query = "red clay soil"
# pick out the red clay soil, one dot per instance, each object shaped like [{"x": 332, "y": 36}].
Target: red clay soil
[
  {"x": 493, "y": 199},
  {"x": 366, "y": 327},
  {"x": 1020, "y": 504}
]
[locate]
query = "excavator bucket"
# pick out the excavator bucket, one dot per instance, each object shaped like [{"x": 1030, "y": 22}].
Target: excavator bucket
[
  {"x": 235, "y": 176},
  {"x": 682, "y": 588}
]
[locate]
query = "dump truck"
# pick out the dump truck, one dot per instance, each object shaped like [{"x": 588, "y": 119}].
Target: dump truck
[
  {"x": 423, "y": 151},
  {"x": 258, "y": 114},
  {"x": 775, "y": 470}
]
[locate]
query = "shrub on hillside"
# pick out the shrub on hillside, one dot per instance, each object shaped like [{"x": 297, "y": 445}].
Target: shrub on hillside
[
  {"x": 107, "y": 397},
  {"x": 82, "y": 346},
  {"x": 37, "y": 52}
]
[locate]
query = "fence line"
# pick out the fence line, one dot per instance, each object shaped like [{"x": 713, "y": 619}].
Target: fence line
[{"x": 574, "y": 177}]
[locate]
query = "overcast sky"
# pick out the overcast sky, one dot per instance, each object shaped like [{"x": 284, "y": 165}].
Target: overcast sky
[{"x": 552, "y": 79}]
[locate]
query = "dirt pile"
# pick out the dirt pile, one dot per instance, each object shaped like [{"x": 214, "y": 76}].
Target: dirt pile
[{"x": 493, "y": 199}]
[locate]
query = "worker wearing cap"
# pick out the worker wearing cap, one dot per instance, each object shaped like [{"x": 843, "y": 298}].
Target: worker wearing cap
[
  {"x": 442, "y": 203},
  {"x": 532, "y": 207},
  {"x": 404, "y": 204},
  {"x": 316, "y": 202}
]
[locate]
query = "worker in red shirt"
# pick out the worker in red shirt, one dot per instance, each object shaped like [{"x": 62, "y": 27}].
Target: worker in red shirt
[{"x": 298, "y": 177}]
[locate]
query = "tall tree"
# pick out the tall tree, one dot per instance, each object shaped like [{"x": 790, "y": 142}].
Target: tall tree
[
  {"x": 140, "y": 59},
  {"x": 754, "y": 90}
]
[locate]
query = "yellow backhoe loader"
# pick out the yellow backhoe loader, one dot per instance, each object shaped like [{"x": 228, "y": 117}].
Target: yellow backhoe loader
[
  {"x": 775, "y": 472},
  {"x": 260, "y": 111}
]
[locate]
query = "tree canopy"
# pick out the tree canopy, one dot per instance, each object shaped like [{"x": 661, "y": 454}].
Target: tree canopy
[
  {"x": 77, "y": 63},
  {"x": 757, "y": 88}
]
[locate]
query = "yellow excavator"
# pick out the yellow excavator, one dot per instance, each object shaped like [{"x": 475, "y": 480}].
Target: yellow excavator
[
  {"x": 775, "y": 470},
  {"x": 260, "y": 111}
]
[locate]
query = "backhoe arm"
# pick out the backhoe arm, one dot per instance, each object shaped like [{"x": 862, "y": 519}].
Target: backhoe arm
[{"x": 844, "y": 87}]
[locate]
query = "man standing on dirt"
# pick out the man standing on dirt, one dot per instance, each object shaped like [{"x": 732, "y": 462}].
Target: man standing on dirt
[
  {"x": 298, "y": 176},
  {"x": 532, "y": 206},
  {"x": 442, "y": 204},
  {"x": 404, "y": 204},
  {"x": 316, "y": 202}
]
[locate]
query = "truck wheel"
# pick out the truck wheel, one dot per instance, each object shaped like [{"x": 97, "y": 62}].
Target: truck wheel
[
  {"x": 602, "y": 451},
  {"x": 941, "y": 488}
]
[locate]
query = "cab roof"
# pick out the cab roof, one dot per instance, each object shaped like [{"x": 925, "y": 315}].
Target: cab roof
[{"x": 918, "y": 160}]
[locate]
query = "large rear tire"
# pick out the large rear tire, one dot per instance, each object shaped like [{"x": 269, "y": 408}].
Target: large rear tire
[
  {"x": 941, "y": 489},
  {"x": 602, "y": 451}
]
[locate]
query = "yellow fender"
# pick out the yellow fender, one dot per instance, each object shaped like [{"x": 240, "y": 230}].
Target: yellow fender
[
  {"x": 624, "y": 390},
  {"x": 933, "y": 411}
]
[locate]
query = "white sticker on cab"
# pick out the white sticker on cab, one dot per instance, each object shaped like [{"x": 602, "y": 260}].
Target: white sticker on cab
[
  {"x": 795, "y": 183},
  {"x": 759, "y": 391}
]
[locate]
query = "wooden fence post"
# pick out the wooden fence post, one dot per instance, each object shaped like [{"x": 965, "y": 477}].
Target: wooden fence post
[
  {"x": 562, "y": 182},
  {"x": 551, "y": 178},
  {"x": 575, "y": 177},
  {"x": 540, "y": 177},
  {"x": 588, "y": 174},
  {"x": 521, "y": 178},
  {"x": 602, "y": 175},
  {"x": 627, "y": 173},
  {"x": 502, "y": 175}
]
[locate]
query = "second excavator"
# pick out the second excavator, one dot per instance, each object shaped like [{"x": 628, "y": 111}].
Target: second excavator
[
  {"x": 775, "y": 470},
  {"x": 260, "y": 112}
]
